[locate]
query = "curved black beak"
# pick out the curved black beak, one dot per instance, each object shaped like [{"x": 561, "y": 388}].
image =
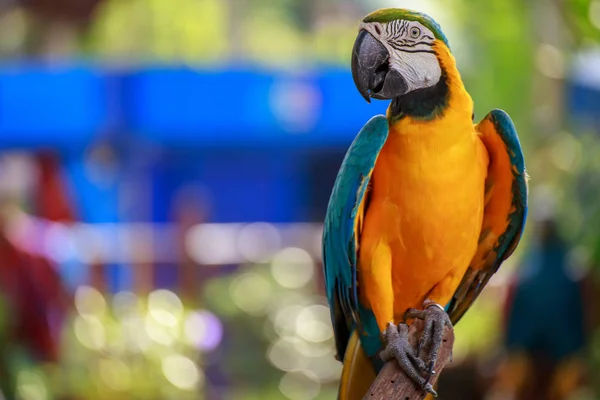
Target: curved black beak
[{"x": 371, "y": 71}]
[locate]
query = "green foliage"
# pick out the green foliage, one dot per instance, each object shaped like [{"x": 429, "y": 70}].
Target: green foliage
[
  {"x": 188, "y": 31},
  {"x": 500, "y": 60},
  {"x": 583, "y": 19}
]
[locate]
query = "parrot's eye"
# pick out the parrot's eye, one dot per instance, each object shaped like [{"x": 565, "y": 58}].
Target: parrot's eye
[{"x": 415, "y": 32}]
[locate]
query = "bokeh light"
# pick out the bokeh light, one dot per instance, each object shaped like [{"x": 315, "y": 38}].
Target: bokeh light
[
  {"x": 314, "y": 323},
  {"x": 126, "y": 304},
  {"x": 566, "y": 152},
  {"x": 203, "y": 330},
  {"x": 90, "y": 332},
  {"x": 258, "y": 241},
  {"x": 115, "y": 373},
  {"x": 325, "y": 368},
  {"x": 137, "y": 339},
  {"x": 285, "y": 319},
  {"x": 251, "y": 292},
  {"x": 165, "y": 307},
  {"x": 89, "y": 302},
  {"x": 282, "y": 354},
  {"x": 594, "y": 13},
  {"x": 182, "y": 372},
  {"x": 299, "y": 385},
  {"x": 158, "y": 332},
  {"x": 213, "y": 244},
  {"x": 31, "y": 386},
  {"x": 292, "y": 267},
  {"x": 550, "y": 61}
]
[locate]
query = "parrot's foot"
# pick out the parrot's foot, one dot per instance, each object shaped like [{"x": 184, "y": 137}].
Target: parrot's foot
[
  {"x": 397, "y": 347},
  {"x": 436, "y": 319}
]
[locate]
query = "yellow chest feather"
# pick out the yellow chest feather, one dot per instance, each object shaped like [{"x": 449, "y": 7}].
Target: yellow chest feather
[{"x": 426, "y": 204}]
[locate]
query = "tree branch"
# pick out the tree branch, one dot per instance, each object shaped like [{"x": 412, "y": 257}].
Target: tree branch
[{"x": 393, "y": 384}]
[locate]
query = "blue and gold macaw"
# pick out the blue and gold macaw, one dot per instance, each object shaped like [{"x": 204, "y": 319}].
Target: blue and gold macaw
[{"x": 425, "y": 207}]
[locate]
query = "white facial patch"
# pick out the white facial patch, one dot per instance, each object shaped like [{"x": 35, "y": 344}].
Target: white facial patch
[
  {"x": 410, "y": 45},
  {"x": 420, "y": 70}
]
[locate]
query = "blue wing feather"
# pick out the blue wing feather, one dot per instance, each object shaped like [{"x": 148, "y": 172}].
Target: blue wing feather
[
  {"x": 477, "y": 276},
  {"x": 339, "y": 236}
]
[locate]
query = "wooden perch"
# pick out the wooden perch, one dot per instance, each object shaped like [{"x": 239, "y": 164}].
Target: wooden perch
[{"x": 393, "y": 384}]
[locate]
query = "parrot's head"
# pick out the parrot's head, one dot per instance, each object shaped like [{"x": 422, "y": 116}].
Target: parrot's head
[{"x": 395, "y": 54}]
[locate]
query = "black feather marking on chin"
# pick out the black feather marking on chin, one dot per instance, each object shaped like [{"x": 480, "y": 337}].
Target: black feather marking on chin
[{"x": 428, "y": 103}]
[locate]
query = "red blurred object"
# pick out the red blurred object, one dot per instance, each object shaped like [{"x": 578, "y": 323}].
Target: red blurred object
[
  {"x": 52, "y": 200},
  {"x": 30, "y": 283},
  {"x": 32, "y": 289}
]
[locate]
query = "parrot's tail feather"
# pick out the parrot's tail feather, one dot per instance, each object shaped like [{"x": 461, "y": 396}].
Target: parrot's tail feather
[{"x": 357, "y": 374}]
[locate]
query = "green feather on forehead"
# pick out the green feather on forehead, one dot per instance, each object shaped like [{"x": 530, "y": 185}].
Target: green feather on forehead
[{"x": 392, "y": 14}]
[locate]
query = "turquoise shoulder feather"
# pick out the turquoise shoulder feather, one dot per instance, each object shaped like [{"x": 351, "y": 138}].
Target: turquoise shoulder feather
[{"x": 340, "y": 238}]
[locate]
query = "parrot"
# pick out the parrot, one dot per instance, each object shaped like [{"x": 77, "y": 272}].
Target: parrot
[{"x": 426, "y": 206}]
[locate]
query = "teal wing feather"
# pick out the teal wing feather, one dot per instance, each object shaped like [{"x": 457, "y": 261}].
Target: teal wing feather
[
  {"x": 479, "y": 273},
  {"x": 340, "y": 240}
]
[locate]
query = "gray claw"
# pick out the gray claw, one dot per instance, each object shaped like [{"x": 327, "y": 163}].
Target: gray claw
[
  {"x": 430, "y": 370},
  {"x": 429, "y": 389},
  {"x": 398, "y": 348},
  {"x": 436, "y": 319}
]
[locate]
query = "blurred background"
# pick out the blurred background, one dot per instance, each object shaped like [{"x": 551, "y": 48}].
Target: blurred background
[{"x": 165, "y": 167}]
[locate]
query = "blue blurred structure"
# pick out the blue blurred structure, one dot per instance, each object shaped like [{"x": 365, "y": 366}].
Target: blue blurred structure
[
  {"x": 241, "y": 134},
  {"x": 583, "y": 92}
]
